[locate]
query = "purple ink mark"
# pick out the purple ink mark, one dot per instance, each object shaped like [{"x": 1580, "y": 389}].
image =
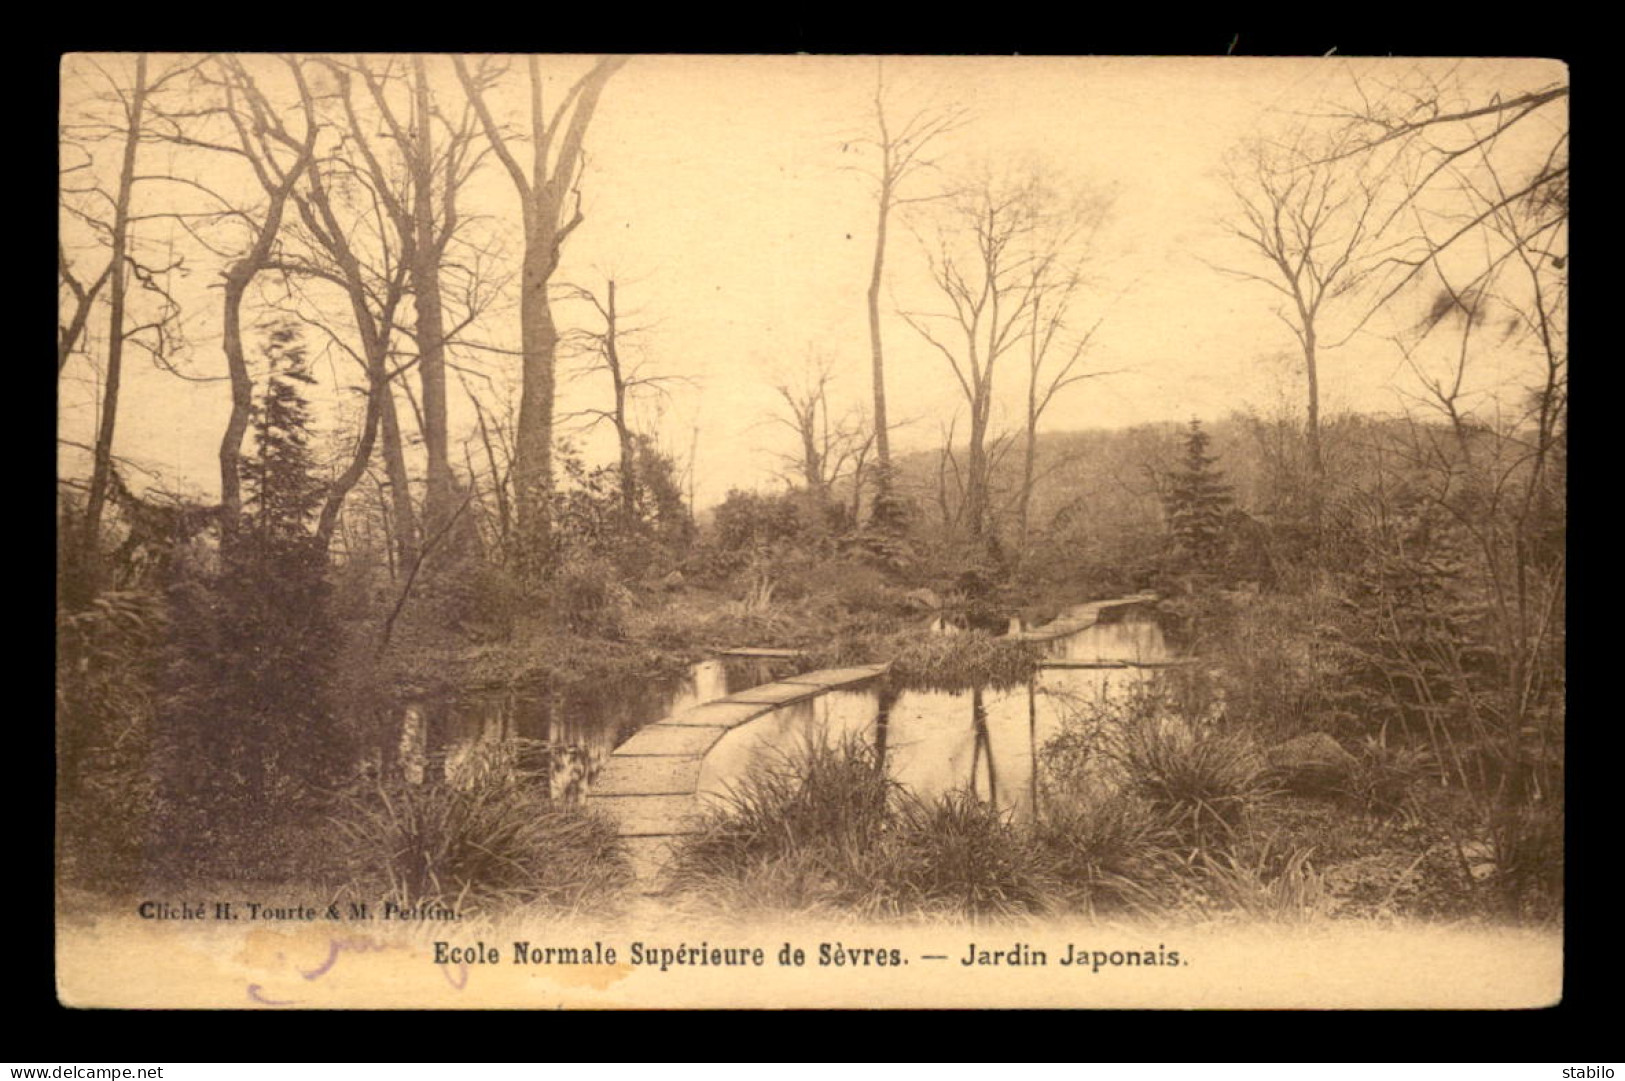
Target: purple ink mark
[
  {"x": 336, "y": 946},
  {"x": 254, "y": 994},
  {"x": 459, "y": 984}
]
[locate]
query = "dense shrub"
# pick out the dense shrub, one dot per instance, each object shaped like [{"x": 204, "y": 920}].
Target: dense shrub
[
  {"x": 825, "y": 827},
  {"x": 485, "y": 840},
  {"x": 1109, "y": 854}
]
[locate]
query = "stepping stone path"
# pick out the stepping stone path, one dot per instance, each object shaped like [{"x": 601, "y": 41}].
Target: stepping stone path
[
  {"x": 649, "y": 786},
  {"x": 1081, "y": 618}
]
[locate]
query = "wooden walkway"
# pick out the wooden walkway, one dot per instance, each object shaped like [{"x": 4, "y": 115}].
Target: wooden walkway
[
  {"x": 649, "y": 786},
  {"x": 1081, "y": 618}
]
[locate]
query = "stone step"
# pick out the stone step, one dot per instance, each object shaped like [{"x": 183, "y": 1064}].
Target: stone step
[
  {"x": 650, "y": 816},
  {"x": 672, "y": 739},
  {"x": 723, "y": 712},
  {"x": 774, "y": 694},
  {"x": 648, "y": 775}
]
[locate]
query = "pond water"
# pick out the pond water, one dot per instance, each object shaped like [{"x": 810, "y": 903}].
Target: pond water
[
  {"x": 985, "y": 739},
  {"x": 933, "y": 742},
  {"x": 581, "y": 727}
]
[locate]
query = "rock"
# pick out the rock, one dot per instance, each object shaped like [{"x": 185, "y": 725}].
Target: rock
[
  {"x": 1310, "y": 763},
  {"x": 672, "y": 582}
]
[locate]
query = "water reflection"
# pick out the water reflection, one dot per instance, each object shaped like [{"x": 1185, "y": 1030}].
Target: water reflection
[
  {"x": 580, "y": 728},
  {"x": 933, "y": 742}
]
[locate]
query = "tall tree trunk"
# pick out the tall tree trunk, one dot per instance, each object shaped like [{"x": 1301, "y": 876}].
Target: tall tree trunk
[
  {"x": 883, "y": 477},
  {"x": 1317, "y": 465},
  {"x": 976, "y": 470},
  {"x": 533, "y": 442},
  {"x": 431, "y": 328},
  {"x": 400, "y": 491},
  {"x": 1029, "y": 460},
  {"x": 542, "y": 194},
  {"x": 623, "y": 424},
  {"x": 102, "y": 466}
]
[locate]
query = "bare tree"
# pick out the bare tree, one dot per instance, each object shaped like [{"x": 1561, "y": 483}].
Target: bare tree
[
  {"x": 1054, "y": 345},
  {"x": 83, "y": 201},
  {"x": 828, "y": 450},
  {"x": 278, "y": 158},
  {"x": 1501, "y": 477},
  {"x": 551, "y": 201},
  {"x": 984, "y": 261},
  {"x": 903, "y": 149},
  {"x": 603, "y": 345},
  {"x": 427, "y": 217},
  {"x": 1440, "y": 131},
  {"x": 102, "y": 468},
  {"x": 1313, "y": 224}
]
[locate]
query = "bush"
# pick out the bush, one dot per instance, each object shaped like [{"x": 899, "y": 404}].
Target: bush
[
  {"x": 961, "y": 856},
  {"x": 1112, "y": 854},
  {"x": 1382, "y": 777},
  {"x": 106, "y": 657},
  {"x": 1293, "y": 892},
  {"x": 953, "y": 662},
  {"x": 1203, "y": 780},
  {"x": 486, "y": 839},
  {"x": 833, "y": 796},
  {"x": 587, "y": 597},
  {"x": 1526, "y": 840},
  {"x": 823, "y": 826}
]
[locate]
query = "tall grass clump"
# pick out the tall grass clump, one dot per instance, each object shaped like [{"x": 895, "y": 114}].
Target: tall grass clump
[
  {"x": 960, "y": 856},
  {"x": 821, "y": 804},
  {"x": 1113, "y": 854},
  {"x": 1202, "y": 781},
  {"x": 487, "y": 839},
  {"x": 823, "y": 827},
  {"x": 1165, "y": 745},
  {"x": 1265, "y": 889},
  {"x": 955, "y": 662}
]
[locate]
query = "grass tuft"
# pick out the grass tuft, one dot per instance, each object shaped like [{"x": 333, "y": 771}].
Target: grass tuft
[{"x": 487, "y": 839}]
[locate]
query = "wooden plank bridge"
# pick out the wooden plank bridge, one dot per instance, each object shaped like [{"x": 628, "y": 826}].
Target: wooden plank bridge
[{"x": 650, "y": 785}]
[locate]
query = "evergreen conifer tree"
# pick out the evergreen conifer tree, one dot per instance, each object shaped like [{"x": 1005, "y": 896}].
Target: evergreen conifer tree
[
  {"x": 1198, "y": 502},
  {"x": 247, "y": 711}
]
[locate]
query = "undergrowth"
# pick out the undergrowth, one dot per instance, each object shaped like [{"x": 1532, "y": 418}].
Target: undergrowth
[{"x": 485, "y": 839}]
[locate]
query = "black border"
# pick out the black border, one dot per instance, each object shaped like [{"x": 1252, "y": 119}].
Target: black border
[{"x": 41, "y": 1030}]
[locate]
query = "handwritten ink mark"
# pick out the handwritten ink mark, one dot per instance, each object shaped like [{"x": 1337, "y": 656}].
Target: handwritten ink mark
[{"x": 254, "y": 994}]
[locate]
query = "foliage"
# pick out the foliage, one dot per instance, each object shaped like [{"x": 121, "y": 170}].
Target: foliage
[
  {"x": 586, "y": 597},
  {"x": 590, "y": 520},
  {"x": 823, "y": 826},
  {"x": 1293, "y": 893},
  {"x": 950, "y": 662},
  {"x": 961, "y": 855},
  {"x": 1198, "y": 502},
  {"x": 106, "y": 659},
  {"x": 487, "y": 839},
  {"x": 1111, "y": 854},
  {"x": 1383, "y": 777},
  {"x": 246, "y": 722},
  {"x": 746, "y": 520},
  {"x": 1167, "y": 749}
]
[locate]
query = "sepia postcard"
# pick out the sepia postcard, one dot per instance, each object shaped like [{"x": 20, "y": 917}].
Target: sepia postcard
[{"x": 674, "y": 531}]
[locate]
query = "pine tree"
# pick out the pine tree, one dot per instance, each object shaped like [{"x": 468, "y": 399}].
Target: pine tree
[
  {"x": 281, "y": 492},
  {"x": 248, "y": 714},
  {"x": 1198, "y": 502}
]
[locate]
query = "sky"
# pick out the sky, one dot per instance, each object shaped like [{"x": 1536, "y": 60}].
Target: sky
[{"x": 726, "y": 196}]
